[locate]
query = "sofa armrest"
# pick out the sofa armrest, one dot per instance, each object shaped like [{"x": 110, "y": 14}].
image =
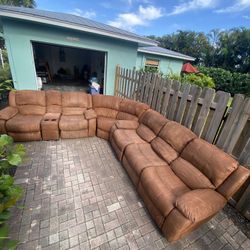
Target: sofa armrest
[
  {"x": 234, "y": 181},
  {"x": 90, "y": 114},
  {"x": 199, "y": 204},
  {"x": 127, "y": 124},
  {"x": 7, "y": 113}
]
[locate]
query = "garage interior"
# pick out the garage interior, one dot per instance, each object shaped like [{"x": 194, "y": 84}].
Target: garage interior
[{"x": 68, "y": 68}]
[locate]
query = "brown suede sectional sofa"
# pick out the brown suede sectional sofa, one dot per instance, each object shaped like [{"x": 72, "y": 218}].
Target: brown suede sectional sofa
[{"x": 183, "y": 180}]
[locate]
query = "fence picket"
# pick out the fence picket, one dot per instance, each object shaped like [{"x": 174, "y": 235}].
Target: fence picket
[
  {"x": 244, "y": 158},
  {"x": 239, "y": 126},
  {"x": 160, "y": 94},
  {"x": 147, "y": 87},
  {"x": 231, "y": 120},
  {"x": 195, "y": 91},
  {"x": 174, "y": 100},
  {"x": 152, "y": 89},
  {"x": 166, "y": 99},
  {"x": 201, "y": 120},
  {"x": 218, "y": 115},
  {"x": 183, "y": 103}
]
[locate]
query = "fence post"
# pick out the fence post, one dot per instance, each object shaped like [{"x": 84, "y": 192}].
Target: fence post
[{"x": 117, "y": 78}]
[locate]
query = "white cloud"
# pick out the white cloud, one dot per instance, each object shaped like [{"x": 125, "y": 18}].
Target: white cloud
[
  {"x": 238, "y": 6},
  {"x": 139, "y": 18},
  {"x": 193, "y": 5},
  {"x": 246, "y": 17},
  {"x": 87, "y": 14}
]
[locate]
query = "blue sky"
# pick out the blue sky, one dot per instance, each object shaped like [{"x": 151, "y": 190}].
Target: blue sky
[{"x": 158, "y": 17}]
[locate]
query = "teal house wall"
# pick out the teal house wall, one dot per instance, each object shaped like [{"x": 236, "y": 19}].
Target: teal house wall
[
  {"x": 19, "y": 35},
  {"x": 166, "y": 64}
]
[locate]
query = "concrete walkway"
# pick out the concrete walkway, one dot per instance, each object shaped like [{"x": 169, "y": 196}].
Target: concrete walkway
[{"x": 78, "y": 196}]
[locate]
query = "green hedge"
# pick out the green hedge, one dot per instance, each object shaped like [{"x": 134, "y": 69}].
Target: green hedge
[
  {"x": 201, "y": 80},
  {"x": 228, "y": 81}
]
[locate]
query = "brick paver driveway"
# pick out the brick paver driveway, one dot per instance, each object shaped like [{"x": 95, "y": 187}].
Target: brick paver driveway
[{"x": 78, "y": 196}]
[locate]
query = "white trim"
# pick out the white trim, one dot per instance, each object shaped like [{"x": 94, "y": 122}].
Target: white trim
[
  {"x": 27, "y": 17},
  {"x": 167, "y": 55}
]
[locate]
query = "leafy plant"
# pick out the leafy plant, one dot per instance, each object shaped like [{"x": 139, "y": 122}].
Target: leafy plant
[
  {"x": 197, "y": 79},
  {"x": 6, "y": 85},
  {"x": 11, "y": 155},
  {"x": 148, "y": 69},
  {"x": 228, "y": 81}
]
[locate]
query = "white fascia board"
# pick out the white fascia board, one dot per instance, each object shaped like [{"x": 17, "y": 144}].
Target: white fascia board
[
  {"x": 189, "y": 58},
  {"x": 73, "y": 26}
]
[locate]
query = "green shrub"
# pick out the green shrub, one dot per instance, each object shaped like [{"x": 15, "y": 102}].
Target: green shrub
[
  {"x": 198, "y": 79},
  {"x": 5, "y": 73},
  {"x": 11, "y": 155},
  {"x": 227, "y": 81},
  {"x": 148, "y": 69}
]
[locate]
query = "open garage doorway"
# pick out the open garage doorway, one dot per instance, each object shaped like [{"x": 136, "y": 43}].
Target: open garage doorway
[{"x": 68, "y": 68}]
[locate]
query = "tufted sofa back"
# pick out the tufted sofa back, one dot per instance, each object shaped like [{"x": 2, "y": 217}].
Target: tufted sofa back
[
  {"x": 53, "y": 101},
  {"x": 151, "y": 122},
  {"x": 75, "y": 103},
  {"x": 171, "y": 140},
  {"x": 106, "y": 106},
  {"x": 29, "y": 102},
  {"x": 202, "y": 165},
  {"x": 131, "y": 110}
]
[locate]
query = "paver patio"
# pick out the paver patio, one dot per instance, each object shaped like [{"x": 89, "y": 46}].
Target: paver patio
[{"x": 78, "y": 196}]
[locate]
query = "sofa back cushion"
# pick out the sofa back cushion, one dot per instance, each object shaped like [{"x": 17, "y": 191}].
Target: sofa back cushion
[
  {"x": 151, "y": 122},
  {"x": 171, "y": 140},
  {"x": 53, "y": 101},
  {"x": 30, "y": 102},
  {"x": 75, "y": 103},
  {"x": 131, "y": 110},
  {"x": 209, "y": 160},
  {"x": 106, "y": 106}
]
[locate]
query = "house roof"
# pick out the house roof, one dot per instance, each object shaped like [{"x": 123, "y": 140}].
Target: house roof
[
  {"x": 155, "y": 50},
  {"x": 189, "y": 68},
  {"x": 72, "y": 22}
]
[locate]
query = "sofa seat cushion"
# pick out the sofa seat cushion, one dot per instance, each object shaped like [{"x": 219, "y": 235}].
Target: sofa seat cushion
[
  {"x": 105, "y": 123},
  {"x": 163, "y": 187},
  {"x": 106, "y": 112},
  {"x": 163, "y": 149},
  {"x": 124, "y": 137},
  {"x": 73, "y": 122},
  {"x": 190, "y": 175},
  {"x": 145, "y": 133},
  {"x": 24, "y": 123},
  {"x": 141, "y": 156}
]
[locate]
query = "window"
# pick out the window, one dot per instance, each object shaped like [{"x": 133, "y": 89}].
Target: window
[{"x": 151, "y": 65}]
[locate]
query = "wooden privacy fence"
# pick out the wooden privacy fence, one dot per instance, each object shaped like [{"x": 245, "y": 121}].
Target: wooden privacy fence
[{"x": 206, "y": 112}]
